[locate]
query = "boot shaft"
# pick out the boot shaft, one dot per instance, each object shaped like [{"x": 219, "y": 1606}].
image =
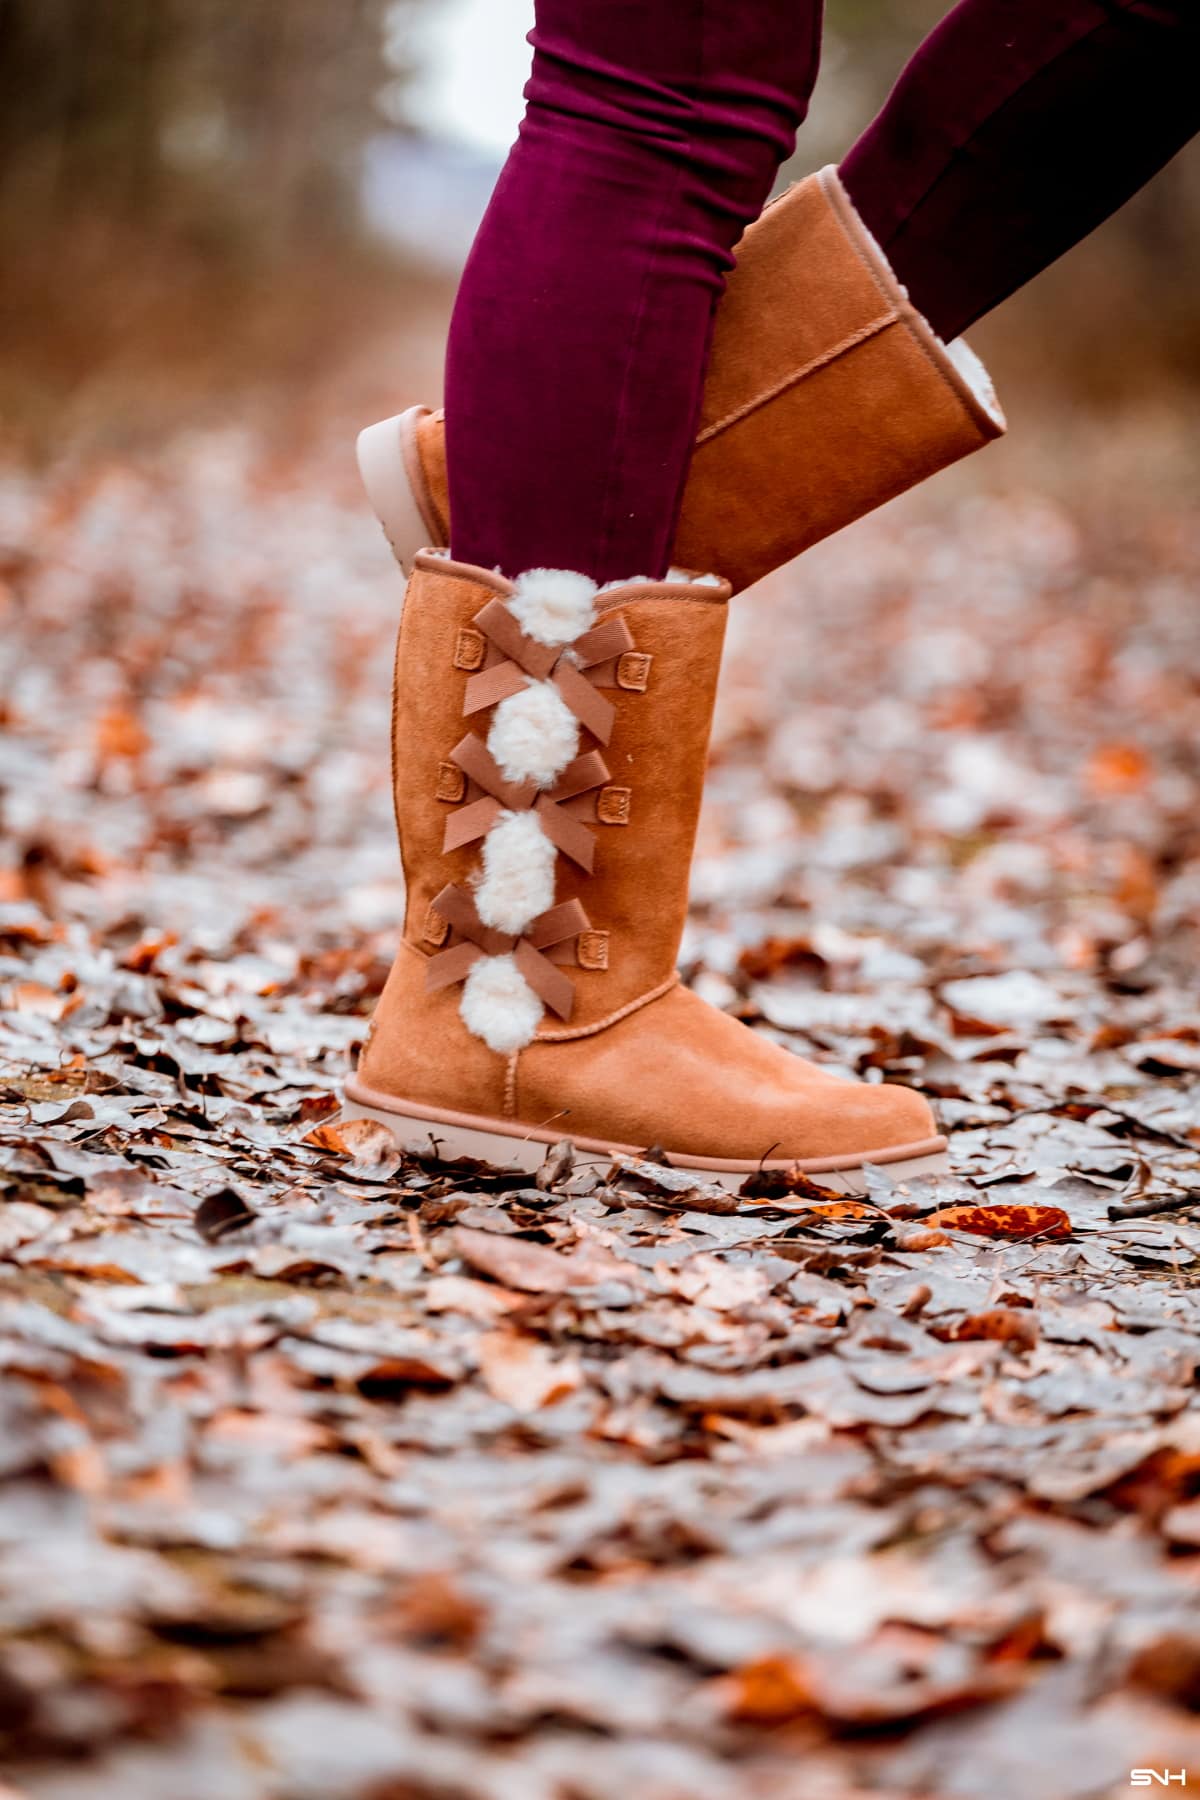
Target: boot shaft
[
  {"x": 827, "y": 394},
  {"x": 641, "y": 681}
]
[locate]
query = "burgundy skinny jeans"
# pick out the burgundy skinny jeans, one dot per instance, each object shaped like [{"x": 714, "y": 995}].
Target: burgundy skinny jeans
[{"x": 652, "y": 136}]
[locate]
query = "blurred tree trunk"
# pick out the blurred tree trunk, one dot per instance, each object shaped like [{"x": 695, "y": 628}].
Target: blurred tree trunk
[{"x": 235, "y": 116}]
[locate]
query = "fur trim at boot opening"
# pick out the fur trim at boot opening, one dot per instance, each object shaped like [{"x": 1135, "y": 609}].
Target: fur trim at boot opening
[{"x": 553, "y": 605}]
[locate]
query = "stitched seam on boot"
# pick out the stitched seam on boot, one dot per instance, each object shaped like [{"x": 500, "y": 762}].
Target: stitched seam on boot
[
  {"x": 510, "y": 1086},
  {"x": 870, "y": 330},
  {"x": 613, "y": 1018},
  {"x": 906, "y": 313}
]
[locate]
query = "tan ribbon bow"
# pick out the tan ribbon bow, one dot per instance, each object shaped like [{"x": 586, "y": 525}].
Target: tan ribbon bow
[
  {"x": 564, "y": 665},
  {"x": 554, "y": 928}
]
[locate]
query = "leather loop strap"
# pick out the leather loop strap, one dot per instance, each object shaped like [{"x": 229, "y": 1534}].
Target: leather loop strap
[
  {"x": 457, "y": 907},
  {"x": 612, "y": 637}
]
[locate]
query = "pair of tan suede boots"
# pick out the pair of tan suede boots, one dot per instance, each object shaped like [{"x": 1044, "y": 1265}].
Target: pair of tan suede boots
[{"x": 549, "y": 745}]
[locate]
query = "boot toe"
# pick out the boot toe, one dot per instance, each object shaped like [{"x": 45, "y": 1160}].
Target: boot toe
[{"x": 861, "y": 1119}]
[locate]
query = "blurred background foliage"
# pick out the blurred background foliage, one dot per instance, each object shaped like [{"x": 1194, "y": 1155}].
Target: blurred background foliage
[{"x": 182, "y": 186}]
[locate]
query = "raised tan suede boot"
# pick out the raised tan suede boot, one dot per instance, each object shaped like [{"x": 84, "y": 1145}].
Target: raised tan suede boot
[
  {"x": 827, "y": 394},
  {"x": 549, "y": 749}
]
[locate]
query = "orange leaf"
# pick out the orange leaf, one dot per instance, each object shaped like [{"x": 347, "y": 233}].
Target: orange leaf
[
  {"x": 915, "y": 1238},
  {"x": 120, "y": 733},
  {"x": 35, "y": 997},
  {"x": 761, "y": 961},
  {"x": 1000, "y": 1324},
  {"x": 841, "y": 1209},
  {"x": 365, "y": 1141},
  {"x": 1118, "y": 769},
  {"x": 769, "y": 1691},
  {"x": 1004, "y": 1221}
]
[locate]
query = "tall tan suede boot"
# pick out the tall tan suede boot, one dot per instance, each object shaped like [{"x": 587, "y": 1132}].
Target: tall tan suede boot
[
  {"x": 827, "y": 394},
  {"x": 549, "y": 745}
]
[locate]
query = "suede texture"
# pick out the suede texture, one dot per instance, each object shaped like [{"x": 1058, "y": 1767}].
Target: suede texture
[
  {"x": 427, "y": 722},
  {"x": 681, "y": 1074},
  {"x": 433, "y": 484},
  {"x": 420, "y": 1049},
  {"x": 641, "y": 1060},
  {"x": 637, "y": 892},
  {"x": 826, "y": 395}
]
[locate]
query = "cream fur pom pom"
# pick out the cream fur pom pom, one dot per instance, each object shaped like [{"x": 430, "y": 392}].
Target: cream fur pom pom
[
  {"x": 517, "y": 881},
  {"x": 534, "y": 735},
  {"x": 499, "y": 1006},
  {"x": 553, "y": 605}
]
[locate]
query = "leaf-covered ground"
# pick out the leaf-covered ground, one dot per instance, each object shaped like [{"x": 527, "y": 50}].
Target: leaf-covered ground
[{"x": 327, "y": 1476}]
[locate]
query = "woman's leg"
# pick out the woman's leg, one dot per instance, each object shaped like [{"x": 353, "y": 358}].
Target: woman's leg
[
  {"x": 577, "y": 351},
  {"x": 1017, "y": 127}
]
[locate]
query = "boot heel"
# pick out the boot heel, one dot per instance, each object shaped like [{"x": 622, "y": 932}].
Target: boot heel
[{"x": 389, "y": 467}]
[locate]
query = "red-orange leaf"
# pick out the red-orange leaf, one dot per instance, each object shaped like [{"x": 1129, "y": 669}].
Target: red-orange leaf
[{"x": 1004, "y": 1221}]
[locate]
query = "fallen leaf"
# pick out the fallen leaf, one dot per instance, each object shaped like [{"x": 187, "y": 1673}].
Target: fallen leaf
[
  {"x": 523, "y": 1372},
  {"x": 1001, "y": 1324},
  {"x": 221, "y": 1213},
  {"x": 1003, "y": 1221},
  {"x": 534, "y": 1268},
  {"x": 481, "y": 1300},
  {"x": 364, "y": 1141}
]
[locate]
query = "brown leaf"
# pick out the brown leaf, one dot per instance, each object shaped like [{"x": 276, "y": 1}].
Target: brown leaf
[
  {"x": 522, "y": 1372},
  {"x": 760, "y": 961},
  {"x": 534, "y": 1268},
  {"x": 35, "y": 998},
  {"x": 916, "y": 1238},
  {"x": 668, "y": 1189},
  {"x": 434, "y": 1612},
  {"x": 1002, "y": 1324},
  {"x": 792, "y": 1184},
  {"x": 557, "y": 1165},
  {"x": 120, "y": 734},
  {"x": 481, "y": 1300},
  {"x": 365, "y": 1141},
  {"x": 768, "y": 1691},
  {"x": 220, "y": 1213}
]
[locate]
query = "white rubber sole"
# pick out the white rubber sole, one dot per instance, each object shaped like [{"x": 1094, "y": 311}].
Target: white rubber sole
[
  {"x": 387, "y": 458},
  {"x": 449, "y": 1136}
]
